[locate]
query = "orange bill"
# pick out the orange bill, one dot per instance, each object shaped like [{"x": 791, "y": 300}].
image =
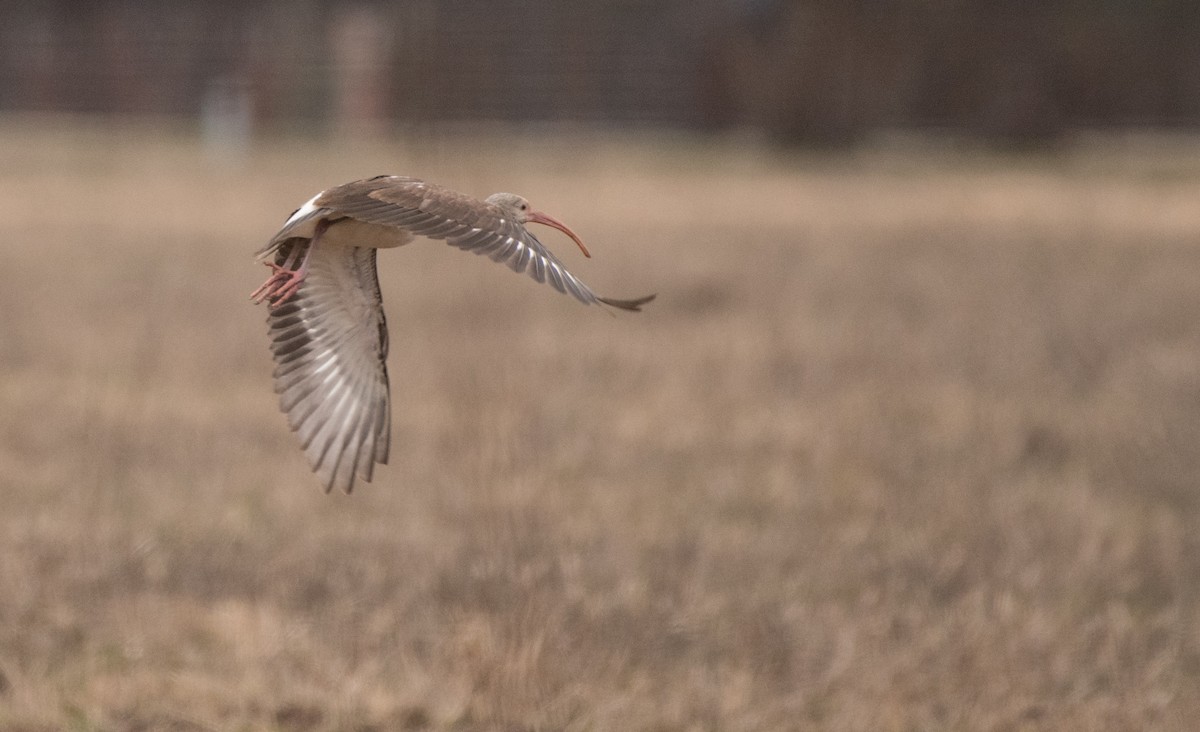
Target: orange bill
[{"x": 540, "y": 218}]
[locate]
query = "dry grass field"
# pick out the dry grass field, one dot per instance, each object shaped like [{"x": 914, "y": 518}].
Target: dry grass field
[{"x": 908, "y": 442}]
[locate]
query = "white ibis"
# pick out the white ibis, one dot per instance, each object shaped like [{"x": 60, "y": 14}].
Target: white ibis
[{"x": 327, "y": 327}]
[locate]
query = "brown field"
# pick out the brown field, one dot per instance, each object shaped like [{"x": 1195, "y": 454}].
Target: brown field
[{"x": 908, "y": 442}]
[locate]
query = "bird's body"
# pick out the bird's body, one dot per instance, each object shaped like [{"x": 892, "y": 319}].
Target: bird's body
[
  {"x": 350, "y": 232},
  {"x": 328, "y": 332}
]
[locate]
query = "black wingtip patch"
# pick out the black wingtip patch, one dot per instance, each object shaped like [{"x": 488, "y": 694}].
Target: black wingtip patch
[{"x": 631, "y": 305}]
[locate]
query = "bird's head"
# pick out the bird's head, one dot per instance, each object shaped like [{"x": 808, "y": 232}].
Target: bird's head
[{"x": 519, "y": 210}]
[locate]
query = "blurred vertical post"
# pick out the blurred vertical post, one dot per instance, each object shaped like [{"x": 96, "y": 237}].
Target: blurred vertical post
[
  {"x": 362, "y": 46},
  {"x": 227, "y": 118}
]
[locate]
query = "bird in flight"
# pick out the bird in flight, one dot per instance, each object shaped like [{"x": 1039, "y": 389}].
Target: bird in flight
[{"x": 325, "y": 313}]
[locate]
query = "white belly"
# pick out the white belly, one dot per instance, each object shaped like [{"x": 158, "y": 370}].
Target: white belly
[
  {"x": 353, "y": 233},
  {"x": 344, "y": 232}
]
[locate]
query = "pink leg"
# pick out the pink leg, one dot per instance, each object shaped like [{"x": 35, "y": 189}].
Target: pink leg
[
  {"x": 285, "y": 282},
  {"x": 281, "y": 275}
]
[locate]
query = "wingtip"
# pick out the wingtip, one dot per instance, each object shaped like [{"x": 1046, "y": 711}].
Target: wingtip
[
  {"x": 344, "y": 486},
  {"x": 634, "y": 305}
]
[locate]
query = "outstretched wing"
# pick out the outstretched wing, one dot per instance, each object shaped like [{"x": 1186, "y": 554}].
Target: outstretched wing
[
  {"x": 330, "y": 344},
  {"x": 436, "y": 212}
]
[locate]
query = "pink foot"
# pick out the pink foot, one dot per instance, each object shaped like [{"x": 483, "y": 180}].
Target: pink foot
[
  {"x": 284, "y": 281},
  {"x": 280, "y": 286}
]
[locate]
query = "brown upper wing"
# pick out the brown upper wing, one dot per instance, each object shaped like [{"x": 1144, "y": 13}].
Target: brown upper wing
[{"x": 436, "y": 212}]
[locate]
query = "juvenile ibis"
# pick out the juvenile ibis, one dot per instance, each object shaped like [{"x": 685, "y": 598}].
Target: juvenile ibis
[{"x": 325, "y": 313}]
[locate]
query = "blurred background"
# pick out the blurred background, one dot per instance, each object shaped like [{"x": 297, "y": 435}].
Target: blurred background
[
  {"x": 801, "y": 71},
  {"x": 908, "y": 440}
]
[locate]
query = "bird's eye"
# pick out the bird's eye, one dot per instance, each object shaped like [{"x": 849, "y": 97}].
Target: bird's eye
[{"x": 524, "y": 206}]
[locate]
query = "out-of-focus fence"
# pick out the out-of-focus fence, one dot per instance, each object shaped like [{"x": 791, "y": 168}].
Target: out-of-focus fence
[
  {"x": 626, "y": 61},
  {"x": 816, "y": 70},
  {"x": 833, "y": 70}
]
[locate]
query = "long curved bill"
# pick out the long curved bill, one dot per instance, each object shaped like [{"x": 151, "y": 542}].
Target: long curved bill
[{"x": 540, "y": 218}]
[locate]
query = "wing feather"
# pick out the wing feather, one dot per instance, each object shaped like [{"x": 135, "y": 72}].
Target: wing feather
[{"x": 329, "y": 343}]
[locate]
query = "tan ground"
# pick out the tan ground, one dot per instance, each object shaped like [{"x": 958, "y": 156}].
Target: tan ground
[{"x": 907, "y": 443}]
